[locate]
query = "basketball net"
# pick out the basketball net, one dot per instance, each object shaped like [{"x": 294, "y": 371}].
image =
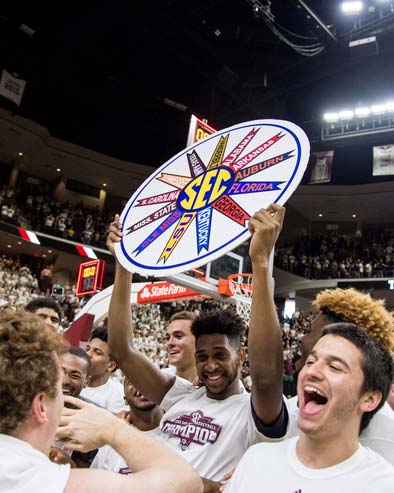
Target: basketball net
[{"x": 241, "y": 287}]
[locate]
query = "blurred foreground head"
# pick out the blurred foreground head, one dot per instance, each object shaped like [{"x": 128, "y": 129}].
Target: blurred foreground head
[{"x": 29, "y": 367}]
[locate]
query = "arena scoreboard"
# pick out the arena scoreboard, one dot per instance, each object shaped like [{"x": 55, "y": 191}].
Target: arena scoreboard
[
  {"x": 90, "y": 277},
  {"x": 198, "y": 130}
]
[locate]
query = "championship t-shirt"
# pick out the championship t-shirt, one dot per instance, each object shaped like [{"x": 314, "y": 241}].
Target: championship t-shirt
[{"x": 212, "y": 435}]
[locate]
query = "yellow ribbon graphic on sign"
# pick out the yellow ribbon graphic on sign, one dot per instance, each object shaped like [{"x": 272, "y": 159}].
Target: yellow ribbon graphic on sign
[{"x": 183, "y": 223}]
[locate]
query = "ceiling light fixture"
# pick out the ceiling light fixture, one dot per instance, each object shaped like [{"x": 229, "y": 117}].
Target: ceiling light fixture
[
  {"x": 352, "y": 8},
  {"x": 362, "y": 111},
  {"x": 346, "y": 114},
  {"x": 331, "y": 117},
  {"x": 378, "y": 109}
]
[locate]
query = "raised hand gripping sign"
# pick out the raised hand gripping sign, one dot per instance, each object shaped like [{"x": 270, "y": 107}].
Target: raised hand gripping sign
[{"x": 196, "y": 206}]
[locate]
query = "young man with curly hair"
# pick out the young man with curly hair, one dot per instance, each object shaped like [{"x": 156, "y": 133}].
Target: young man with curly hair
[
  {"x": 212, "y": 426},
  {"x": 31, "y": 405},
  {"x": 345, "y": 380}
]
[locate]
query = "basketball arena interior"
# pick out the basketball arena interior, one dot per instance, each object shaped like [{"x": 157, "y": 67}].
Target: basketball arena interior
[{"x": 95, "y": 98}]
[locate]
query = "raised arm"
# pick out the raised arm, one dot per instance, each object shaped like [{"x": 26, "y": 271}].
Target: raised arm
[
  {"x": 140, "y": 371},
  {"x": 156, "y": 469},
  {"x": 265, "y": 339}
]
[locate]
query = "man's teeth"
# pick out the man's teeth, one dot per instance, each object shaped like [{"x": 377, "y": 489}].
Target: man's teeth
[
  {"x": 214, "y": 377},
  {"x": 309, "y": 388}
]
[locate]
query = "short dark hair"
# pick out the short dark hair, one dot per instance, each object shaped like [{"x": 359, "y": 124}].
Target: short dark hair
[
  {"x": 376, "y": 362},
  {"x": 332, "y": 317},
  {"x": 44, "y": 302},
  {"x": 102, "y": 334},
  {"x": 99, "y": 333},
  {"x": 219, "y": 321},
  {"x": 81, "y": 353},
  {"x": 184, "y": 316}
]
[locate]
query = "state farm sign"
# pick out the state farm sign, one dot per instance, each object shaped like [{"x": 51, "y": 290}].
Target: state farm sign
[{"x": 164, "y": 291}]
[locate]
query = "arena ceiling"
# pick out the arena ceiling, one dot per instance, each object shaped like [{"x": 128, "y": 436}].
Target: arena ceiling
[
  {"x": 100, "y": 74},
  {"x": 123, "y": 78}
]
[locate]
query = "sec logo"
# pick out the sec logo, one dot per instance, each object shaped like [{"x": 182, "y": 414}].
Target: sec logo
[
  {"x": 196, "y": 206},
  {"x": 205, "y": 189}
]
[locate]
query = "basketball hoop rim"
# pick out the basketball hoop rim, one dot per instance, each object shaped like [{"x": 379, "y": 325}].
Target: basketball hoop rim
[{"x": 244, "y": 287}]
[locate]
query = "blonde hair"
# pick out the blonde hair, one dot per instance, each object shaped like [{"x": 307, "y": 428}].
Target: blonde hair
[
  {"x": 350, "y": 305},
  {"x": 27, "y": 365}
]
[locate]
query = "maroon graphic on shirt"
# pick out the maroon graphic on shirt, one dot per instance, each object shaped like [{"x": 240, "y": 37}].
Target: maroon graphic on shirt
[{"x": 193, "y": 427}]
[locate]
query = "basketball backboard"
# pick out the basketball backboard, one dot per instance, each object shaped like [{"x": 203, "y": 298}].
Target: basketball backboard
[{"x": 206, "y": 278}]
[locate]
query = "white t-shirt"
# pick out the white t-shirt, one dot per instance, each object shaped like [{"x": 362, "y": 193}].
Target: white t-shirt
[
  {"x": 378, "y": 436},
  {"x": 171, "y": 370},
  {"x": 109, "y": 396},
  {"x": 108, "y": 458},
  {"x": 275, "y": 468},
  {"x": 24, "y": 469},
  {"x": 212, "y": 435}
]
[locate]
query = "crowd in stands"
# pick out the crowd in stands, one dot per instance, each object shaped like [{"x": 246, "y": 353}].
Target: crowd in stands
[
  {"x": 36, "y": 209},
  {"x": 20, "y": 283},
  {"x": 293, "y": 330},
  {"x": 319, "y": 256},
  {"x": 334, "y": 255}
]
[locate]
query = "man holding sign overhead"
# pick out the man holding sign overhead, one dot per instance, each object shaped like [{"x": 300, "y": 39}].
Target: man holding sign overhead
[{"x": 212, "y": 427}]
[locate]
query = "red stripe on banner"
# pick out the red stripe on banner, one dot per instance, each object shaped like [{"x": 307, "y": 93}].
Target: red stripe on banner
[
  {"x": 81, "y": 250},
  {"x": 23, "y": 234}
]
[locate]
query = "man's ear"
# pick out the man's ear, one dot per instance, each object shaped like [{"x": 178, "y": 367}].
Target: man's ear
[
  {"x": 111, "y": 366},
  {"x": 87, "y": 382},
  {"x": 370, "y": 401},
  {"x": 38, "y": 407}
]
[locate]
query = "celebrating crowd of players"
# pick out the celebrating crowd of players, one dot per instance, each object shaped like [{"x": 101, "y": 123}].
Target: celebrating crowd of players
[{"x": 187, "y": 430}]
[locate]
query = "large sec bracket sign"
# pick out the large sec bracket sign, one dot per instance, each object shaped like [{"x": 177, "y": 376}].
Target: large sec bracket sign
[{"x": 196, "y": 206}]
